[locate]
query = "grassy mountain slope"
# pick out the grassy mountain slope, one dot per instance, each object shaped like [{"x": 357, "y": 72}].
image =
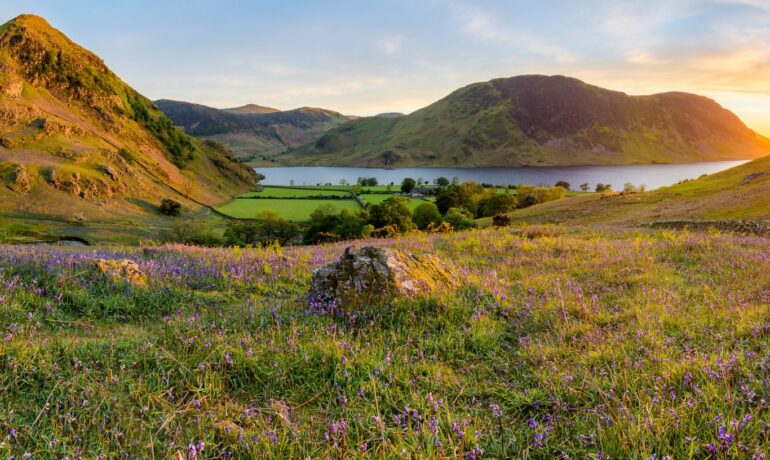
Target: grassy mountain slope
[
  {"x": 742, "y": 192},
  {"x": 539, "y": 121},
  {"x": 251, "y": 108},
  {"x": 254, "y": 133},
  {"x": 74, "y": 138}
]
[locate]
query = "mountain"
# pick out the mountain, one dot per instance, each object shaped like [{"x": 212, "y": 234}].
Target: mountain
[
  {"x": 74, "y": 138},
  {"x": 740, "y": 192},
  {"x": 252, "y": 108},
  {"x": 538, "y": 120},
  {"x": 254, "y": 133}
]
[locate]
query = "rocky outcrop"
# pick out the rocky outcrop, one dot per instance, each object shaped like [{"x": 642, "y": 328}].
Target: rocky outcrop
[
  {"x": 19, "y": 180},
  {"x": 83, "y": 187},
  {"x": 371, "y": 275},
  {"x": 122, "y": 270}
]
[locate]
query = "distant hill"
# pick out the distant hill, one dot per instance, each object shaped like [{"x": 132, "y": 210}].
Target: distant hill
[
  {"x": 251, "y": 108},
  {"x": 74, "y": 138},
  {"x": 538, "y": 120},
  {"x": 390, "y": 115},
  {"x": 742, "y": 192},
  {"x": 254, "y": 133}
]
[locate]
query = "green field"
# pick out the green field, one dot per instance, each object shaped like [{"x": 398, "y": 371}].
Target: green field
[
  {"x": 295, "y": 210},
  {"x": 295, "y": 192},
  {"x": 377, "y": 198}
]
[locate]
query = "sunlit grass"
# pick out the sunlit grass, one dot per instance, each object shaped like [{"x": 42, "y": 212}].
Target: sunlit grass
[{"x": 584, "y": 343}]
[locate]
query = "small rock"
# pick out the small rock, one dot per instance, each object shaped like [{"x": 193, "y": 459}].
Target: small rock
[
  {"x": 20, "y": 180},
  {"x": 370, "y": 275},
  {"x": 122, "y": 270}
]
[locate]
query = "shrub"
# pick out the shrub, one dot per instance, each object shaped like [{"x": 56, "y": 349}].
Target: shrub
[
  {"x": 501, "y": 220},
  {"x": 268, "y": 228},
  {"x": 443, "y": 227},
  {"x": 540, "y": 231},
  {"x": 563, "y": 184},
  {"x": 170, "y": 207},
  {"x": 388, "y": 231},
  {"x": 498, "y": 204},
  {"x": 190, "y": 233},
  {"x": 460, "y": 219},
  {"x": 392, "y": 211},
  {"x": 326, "y": 221},
  {"x": 426, "y": 214}
]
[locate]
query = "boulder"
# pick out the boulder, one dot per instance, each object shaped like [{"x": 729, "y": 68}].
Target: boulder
[
  {"x": 372, "y": 275},
  {"x": 20, "y": 180},
  {"x": 122, "y": 270}
]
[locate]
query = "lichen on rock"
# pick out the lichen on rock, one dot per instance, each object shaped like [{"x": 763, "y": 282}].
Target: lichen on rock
[
  {"x": 122, "y": 270},
  {"x": 373, "y": 275}
]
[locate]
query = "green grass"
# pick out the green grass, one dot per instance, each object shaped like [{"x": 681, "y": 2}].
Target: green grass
[
  {"x": 377, "y": 198},
  {"x": 295, "y": 210},
  {"x": 287, "y": 192},
  {"x": 580, "y": 344}
]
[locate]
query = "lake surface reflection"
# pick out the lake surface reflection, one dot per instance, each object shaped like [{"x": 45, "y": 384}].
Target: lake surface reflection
[{"x": 653, "y": 176}]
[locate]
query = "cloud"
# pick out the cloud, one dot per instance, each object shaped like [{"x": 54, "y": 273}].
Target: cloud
[
  {"x": 482, "y": 26},
  {"x": 390, "y": 45}
]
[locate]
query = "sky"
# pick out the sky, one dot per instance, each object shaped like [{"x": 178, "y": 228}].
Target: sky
[{"x": 363, "y": 57}]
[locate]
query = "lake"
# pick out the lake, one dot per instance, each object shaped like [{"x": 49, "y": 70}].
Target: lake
[{"x": 653, "y": 176}]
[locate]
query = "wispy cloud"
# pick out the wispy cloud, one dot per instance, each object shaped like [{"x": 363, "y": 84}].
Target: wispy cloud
[{"x": 482, "y": 26}]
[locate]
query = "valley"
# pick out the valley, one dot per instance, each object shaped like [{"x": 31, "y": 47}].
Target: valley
[{"x": 530, "y": 267}]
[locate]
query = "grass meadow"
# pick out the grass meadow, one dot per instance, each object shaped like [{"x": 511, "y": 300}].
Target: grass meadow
[
  {"x": 297, "y": 210},
  {"x": 587, "y": 343}
]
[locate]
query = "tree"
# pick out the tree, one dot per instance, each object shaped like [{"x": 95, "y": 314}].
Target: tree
[
  {"x": 464, "y": 195},
  {"x": 442, "y": 181},
  {"x": 584, "y": 187},
  {"x": 268, "y": 228},
  {"x": 371, "y": 182},
  {"x": 407, "y": 185},
  {"x": 392, "y": 211},
  {"x": 426, "y": 214},
  {"x": 603, "y": 187},
  {"x": 170, "y": 207},
  {"x": 343, "y": 182},
  {"x": 544, "y": 194},
  {"x": 497, "y": 204},
  {"x": 563, "y": 184},
  {"x": 460, "y": 219}
]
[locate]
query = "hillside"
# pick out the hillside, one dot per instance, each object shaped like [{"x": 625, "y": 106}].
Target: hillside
[
  {"x": 251, "y": 108},
  {"x": 540, "y": 121},
  {"x": 738, "y": 193},
  {"x": 76, "y": 139},
  {"x": 254, "y": 133}
]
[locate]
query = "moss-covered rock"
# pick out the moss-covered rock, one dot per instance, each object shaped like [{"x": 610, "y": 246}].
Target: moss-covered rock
[{"x": 371, "y": 275}]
